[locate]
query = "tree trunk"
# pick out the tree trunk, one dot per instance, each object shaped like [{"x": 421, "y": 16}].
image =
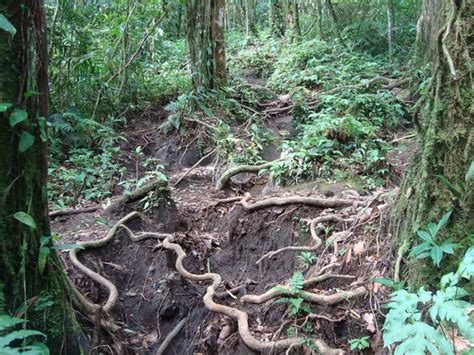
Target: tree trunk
[
  {"x": 277, "y": 21},
  {"x": 390, "y": 28},
  {"x": 205, "y": 26},
  {"x": 446, "y": 134},
  {"x": 250, "y": 17},
  {"x": 23, "y": 175}
]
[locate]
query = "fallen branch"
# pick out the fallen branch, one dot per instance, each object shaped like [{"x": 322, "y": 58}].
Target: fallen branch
[
  {"x": 113, "y": 293},
  {"x": 292, "y": 200},
  {"x": 136, "y": 195},
  {"x": 241, "y": 169},
  {"x": 240, "y": 316},
  {"x": 194, "y": 167},
  {"x": 171, "y": 336},
  {"x": 314, "y": 235},
  {"x": 309, "y": 296},
  {"x": 71, "y": 211}
]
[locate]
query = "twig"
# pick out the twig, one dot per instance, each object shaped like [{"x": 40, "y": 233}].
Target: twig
[
  {"x": 171, "y": 336},
  {"x": 194, "y": 166},
  {"x": 71, "y": 211}
]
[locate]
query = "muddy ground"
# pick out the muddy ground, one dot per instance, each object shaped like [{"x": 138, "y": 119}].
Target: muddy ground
[{"x": 225, "y": 239}]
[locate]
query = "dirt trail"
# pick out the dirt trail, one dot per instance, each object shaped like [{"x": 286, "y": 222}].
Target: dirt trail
[{"x": 225, "y": 239}]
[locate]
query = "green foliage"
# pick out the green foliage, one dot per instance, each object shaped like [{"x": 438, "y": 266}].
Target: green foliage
[
  {"x": 26, "y": 219},
  {"x": 416, "y": 321},
  {"x": 6, "y": 25},
  {"x": 429, "y": 247},
  {"x": 306, "y": 259},
  {"x": 19, "y": 341},
  {"x": 396, "y": 286},
  {"x": 296, "y": 304},
  {"x": 359, "y": 343}
]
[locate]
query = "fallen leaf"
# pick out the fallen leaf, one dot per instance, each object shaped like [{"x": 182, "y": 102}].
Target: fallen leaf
[
  {"x": 376, "y": 286},
  {"x": 359, "y": 247},
  {"x": 150, "y": 339},
  {"x": 369, "y": 319},
  {"x": 348, "y": 256}
]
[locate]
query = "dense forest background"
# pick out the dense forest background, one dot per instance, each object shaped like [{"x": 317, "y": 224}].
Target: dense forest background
[{"x": 132, "y": 131}]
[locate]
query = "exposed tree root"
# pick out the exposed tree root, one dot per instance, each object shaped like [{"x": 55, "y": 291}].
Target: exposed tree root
[
  {"x": 317, "y": 241},
  {"x": 220, "y": 184},
  {"x": 113, "y": 293},
  {"x": 169, "y": 338},
  {"x": 71, "y": 211},
  {"x": 240, "y": 316},
  {"x": 292, "y": 200},
  {"x": 309, "y": 296},
  {"x": 136, "y": 195}
]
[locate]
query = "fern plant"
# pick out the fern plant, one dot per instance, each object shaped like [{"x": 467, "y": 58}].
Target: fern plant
[
  {"x": 26, "y": 337},
  {"x": 295, "y": 303},
  {"x": 416, "y": 321}
]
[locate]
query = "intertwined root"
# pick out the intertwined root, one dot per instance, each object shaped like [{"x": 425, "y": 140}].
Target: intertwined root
[{"x": 239, "y": 316}]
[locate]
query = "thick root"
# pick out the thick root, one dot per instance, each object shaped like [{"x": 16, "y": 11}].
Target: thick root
[
  {"x": 241, "y": 169},
  {"x": 113, "y": 293},
  {"x": 71, "y": 211},
  {"x": 308, "y": 296},
  {"x": 240, "y": 316},
  {"x": 292, "y": 200},
  {"x": 317, "y": 241}
]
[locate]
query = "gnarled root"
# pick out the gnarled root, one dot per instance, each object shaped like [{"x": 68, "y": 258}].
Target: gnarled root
[
  {"x": 220, "y": 184},
  {"x": 292, "y": 200},
  {"x": 317, "y": 241},
  {"x": 113, "y": 293},
  {"x": 240, "y": 316}
]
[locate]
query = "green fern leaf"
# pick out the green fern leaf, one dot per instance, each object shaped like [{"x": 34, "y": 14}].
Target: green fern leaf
[{"x": 296, "y": 282}]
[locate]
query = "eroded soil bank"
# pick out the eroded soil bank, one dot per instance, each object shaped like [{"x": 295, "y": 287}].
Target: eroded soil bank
[{"x": 222, "y": 237}]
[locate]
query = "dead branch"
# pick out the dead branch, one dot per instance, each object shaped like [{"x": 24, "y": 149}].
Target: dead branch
[
  {"x": 71, "y": 211},
  {"x": 171, "y": 336},
  {"x": 194, "y": 167},
  {"x": 136, "y": 195},
  {"x": 292, "y": 200},
  {"x": 241, "y": 169}
]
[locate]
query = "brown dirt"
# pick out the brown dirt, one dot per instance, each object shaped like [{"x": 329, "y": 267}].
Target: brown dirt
[{"x": 227, "y": 240}]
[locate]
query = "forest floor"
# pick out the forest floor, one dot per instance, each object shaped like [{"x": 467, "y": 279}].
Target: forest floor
[{"x": 223, "y": 237}]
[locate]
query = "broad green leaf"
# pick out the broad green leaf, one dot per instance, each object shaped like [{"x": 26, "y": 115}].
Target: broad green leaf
[
  {"x": 383, "y": 281},
  {"x": 420, "y": 249},
  {"x": 4, "y": 106},
  {"x": 43, "y": 258},
  {"x": 449, "y": 186},
  {"x": 433, "y": 228},
  {"x": 448, "y": 247},
  {"x": 8, "y": 322},
  {"x": 442, "y": 222},
  {"x": 26, "y": 141},
  {"x": 425, "y": 236},
  {"x": 18, "y": 116},
  {"x": 436, "y": 255},
  {"x": 466, "y": 267},
  {"x": 7, "y": 25},
  {"x": 26, "y": 219},
  {"x": 18, "y": 335}
]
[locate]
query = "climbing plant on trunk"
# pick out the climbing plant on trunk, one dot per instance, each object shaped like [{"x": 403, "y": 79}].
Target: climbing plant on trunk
[
  {"x": 441, "y": 176},
  {"x": 205, "y": 34},
  {"x": 31, "y": 276}
]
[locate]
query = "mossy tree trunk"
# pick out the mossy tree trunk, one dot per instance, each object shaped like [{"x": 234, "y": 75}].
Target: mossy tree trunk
[
  {"x": 205, "y": 33},
  {"x": 24, "y": 84},
  {"x": 250, "y": 18},
  {"x": 277, "y": 18},
  {"x": 446, "y": 134}
]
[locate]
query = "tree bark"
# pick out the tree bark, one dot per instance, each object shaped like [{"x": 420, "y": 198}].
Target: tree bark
[
  {"x": 277, "y": 21},
  {"x": 23, "y": 176},
  {"x": 390, "y": 28},
  {"x": 446, "y": 135},
  {"x": 205, "y": 33}
]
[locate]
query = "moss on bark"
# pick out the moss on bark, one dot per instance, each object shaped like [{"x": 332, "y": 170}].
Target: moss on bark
[
  {"x": 23, "y": 184},
  {"x": 446, "y": 139}
]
